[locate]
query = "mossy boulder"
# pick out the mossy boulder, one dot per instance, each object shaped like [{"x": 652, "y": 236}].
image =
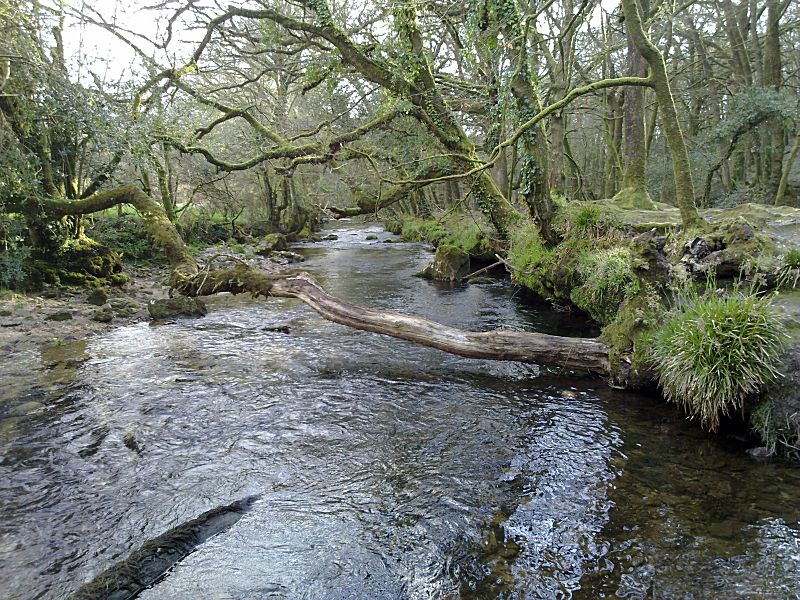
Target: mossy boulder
[
  {"x": 449, "y": 264},
  {"x": 273, "y": 242},
  {"x": 726, "y": 249},
  {"x": 170, "y": 308},
  {"x": 97, "y": 297},
  {"x": 104, "y": 315},
  {"x": 81, "y": 261}
]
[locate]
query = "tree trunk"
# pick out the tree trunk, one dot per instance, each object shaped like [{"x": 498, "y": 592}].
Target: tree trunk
[
  {"x": 684, "y": 188},
  {"x": 586, "y": 354},
  {"x": 634, "y": 187}
]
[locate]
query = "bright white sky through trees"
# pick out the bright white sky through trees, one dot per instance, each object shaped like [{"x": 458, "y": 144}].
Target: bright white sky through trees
[{"x": 92, "y": 50}]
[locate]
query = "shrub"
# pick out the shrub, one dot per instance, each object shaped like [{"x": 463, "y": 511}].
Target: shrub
[
  {"x": 714, "y": 351},
  {"x": 13, "y": 268},
  {"x": 125, "y": 234}
]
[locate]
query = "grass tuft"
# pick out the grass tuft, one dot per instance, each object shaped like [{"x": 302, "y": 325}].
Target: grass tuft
[{"x": 714, "y": 351}]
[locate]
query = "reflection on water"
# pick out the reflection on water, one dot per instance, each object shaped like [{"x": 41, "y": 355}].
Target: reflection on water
[{"x": 385, "y": 470}]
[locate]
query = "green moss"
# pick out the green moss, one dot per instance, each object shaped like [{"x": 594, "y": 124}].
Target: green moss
[
  {"x": 634, "y": 198},
  {"x": 714, "y": 351},
  {"x": 529, "y": 258},
  {"x": 630, "y": 334},
  {"x": 467, "y": 232},
  {"x": 608, "y": 281},
  {"x": 423, "y": 230}
]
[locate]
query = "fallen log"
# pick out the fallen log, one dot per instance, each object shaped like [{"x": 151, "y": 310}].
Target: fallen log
[{"x": 586, "y": 354}]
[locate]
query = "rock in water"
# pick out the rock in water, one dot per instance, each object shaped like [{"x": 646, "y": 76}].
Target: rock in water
[
  {"x": 169, "y": 308},
  {"x": 147, "y": 565},
  {"x": 450, "y": 264}
]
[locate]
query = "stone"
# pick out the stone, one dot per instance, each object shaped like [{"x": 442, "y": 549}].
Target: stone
[
  {"x": 62, "y": 315},
  {"x": 372, "y": 236},
  {"x": 104, "y": 315},
  {"x": 330, "y": 237},
  {"x": 168, "y": 308},
  {"x": 450, "y": 263},
  {"x": 291, "y": 257},
  {"x": 97, "y": 297},
  {"x": 273, "y": 242}
]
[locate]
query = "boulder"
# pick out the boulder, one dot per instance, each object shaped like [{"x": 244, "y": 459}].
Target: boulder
[
  {"x": 273, "y": 242},
  {"x": 451, "y": 263},
  {"x": 169, "y": 308},
  {"x": 63, "y": 315},
  {"x": 97, "y": 297},
  {"x": 104, "y": 315}
]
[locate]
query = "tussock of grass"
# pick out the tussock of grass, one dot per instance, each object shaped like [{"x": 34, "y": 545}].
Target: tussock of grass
[{"x": 713, "y": 352}]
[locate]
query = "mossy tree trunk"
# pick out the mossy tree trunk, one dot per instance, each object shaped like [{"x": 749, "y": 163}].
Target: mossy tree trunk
[
  {"x": 534, "y": 151},
  {"x": 633, "y": 192},
  {"x": 684, "y": 188}
]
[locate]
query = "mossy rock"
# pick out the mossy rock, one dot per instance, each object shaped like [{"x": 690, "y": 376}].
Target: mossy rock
[
  {"x": 97, "y": 296},
  {"x": 273, "y": 242},
  {"x": 726, "y": 249},
  {"x": 628, "y": 336},
  {"x": 62, "y": 315},
  {"x": 449, "y": 264},
  {"x": 170, "y": 308},
  {"x": 104, "y": 315},
  {"x": 88, "y": 257}
]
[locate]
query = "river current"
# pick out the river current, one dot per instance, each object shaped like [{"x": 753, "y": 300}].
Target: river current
[{"x": 383, "y": 469}]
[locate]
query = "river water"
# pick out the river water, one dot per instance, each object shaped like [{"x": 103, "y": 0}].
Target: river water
[{"x": 384, "y": 469}]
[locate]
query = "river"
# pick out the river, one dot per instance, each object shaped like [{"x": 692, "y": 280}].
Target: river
[{"x": 383, "y": 469}]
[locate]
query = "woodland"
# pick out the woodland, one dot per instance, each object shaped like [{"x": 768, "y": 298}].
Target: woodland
[{"x": 611, "y": 157}]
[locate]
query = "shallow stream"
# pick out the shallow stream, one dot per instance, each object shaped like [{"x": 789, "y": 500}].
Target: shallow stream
[{"x": 384, "y": 469}]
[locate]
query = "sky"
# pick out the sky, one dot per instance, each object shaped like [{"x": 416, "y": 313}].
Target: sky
[{"x": 93, "y": 49}]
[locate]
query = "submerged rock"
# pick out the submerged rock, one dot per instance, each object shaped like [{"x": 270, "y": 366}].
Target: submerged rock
[
  {"x": 449, "y": 264},
  {"x": 169, "y": 308},
  {"x": 147, "y": 565},
  {"x": 372, "y": 236}
]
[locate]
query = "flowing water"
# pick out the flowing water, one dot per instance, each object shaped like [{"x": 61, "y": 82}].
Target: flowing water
[{"x": 383, "y": 469}]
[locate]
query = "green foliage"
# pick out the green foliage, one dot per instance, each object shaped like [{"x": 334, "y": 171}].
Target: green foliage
[
  {"x": 763, "y": 425},
  {"x": 714, "y": 351},
  {"x": 608, "y": 280},
  {"x": 13, "y": 268},
  {"x": 125, "y": 234},
  {"x": 792, "y": 259}
]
